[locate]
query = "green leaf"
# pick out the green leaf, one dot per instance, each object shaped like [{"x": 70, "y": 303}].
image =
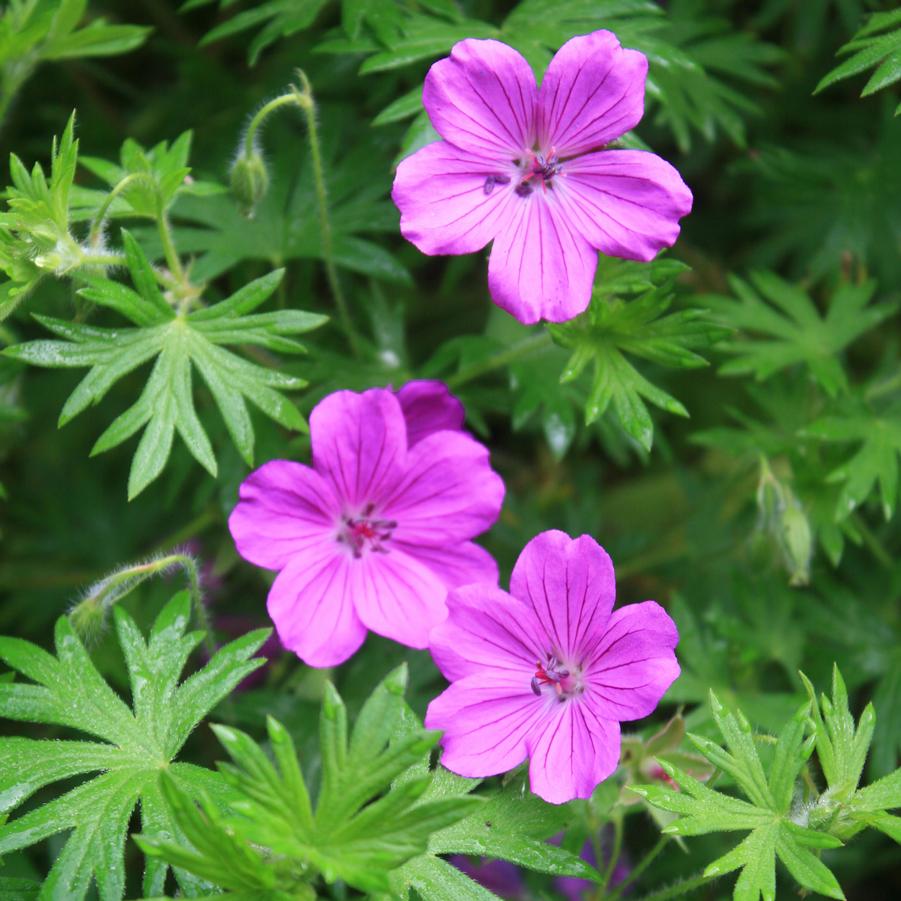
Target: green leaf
[
  {"x": 791, "y": 328},
  {"x": 367, "y": 821},
  {"x": 877, "y": 44},
  {"x": 770, "y": 817},
  {"x": 614, "y": 328},
  {"x": 136, "y": 744},
  {"x": 179, "y": 343}
]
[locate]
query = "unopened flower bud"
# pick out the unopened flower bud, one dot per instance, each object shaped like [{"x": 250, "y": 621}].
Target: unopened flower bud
[
  {"x": 88, "y": 618},
  {"x": 249, "y": 181}
]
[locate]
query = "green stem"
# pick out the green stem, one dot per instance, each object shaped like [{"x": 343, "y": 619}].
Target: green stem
[
  {"x": 511, "y": 354},
  {"x": 169, "y": 251},
  {"x": 886, "y": 386},
  {"x": 109, "y": 591},
  {"x": 100, "y": 216},
  {"x": 614, "y": 853},
  {"x": 682, "y": 887},
  {"x": 305, "y": 100},
  {"x": 261, "y": 115},
  {"x": 640, "y": 867},
  {"x": 873, "y": 543}
]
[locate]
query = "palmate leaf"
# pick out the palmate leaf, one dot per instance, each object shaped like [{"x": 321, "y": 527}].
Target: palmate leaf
[
  {"x": 137, "y": 744},
  {"x": 874, "y": 463},
  {"x": 767, "y": 814},
  {"x": 364, "y": 823},
  {"x": 179, "y": 343},
  {"x": 876, "y": 45},
  {"x": 793, "y": 330},
  {"x": 628, "y": 318}
]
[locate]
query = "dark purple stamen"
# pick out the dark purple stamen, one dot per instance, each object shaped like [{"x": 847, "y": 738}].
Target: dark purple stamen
[
  {"x": 493, "y": 180},
  {"x": 364, "y": 531},
  {"x": 540, "y": 168}
]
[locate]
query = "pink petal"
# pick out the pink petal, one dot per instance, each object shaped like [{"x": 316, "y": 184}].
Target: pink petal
[
  {"x": 311, "y": 604},
  {"x": 572, "y": 754},
  {"x": 591, "y": 94},
  {"x": 487, "y": 631},
  {"x": 540, "y": 267},
  {"x": 570, "y": 586},
  {"x": 429, "y": 407},
  {"x": 396, "y": 596},
  {"x": 482, "y": 99},
  {"x": 487, "y": 720},
  {"x": 441, "y": 194},
  {"x": 283, "y": 509},
  {"x": 359, "y": 444},
  {"x": 633, "y": 665},
  {"x": 448, "y": 494},
  {"x": 458, "y": 564},
  {"x": 626, "y": 203}
]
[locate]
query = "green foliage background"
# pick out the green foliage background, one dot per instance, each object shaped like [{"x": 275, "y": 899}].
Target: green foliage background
[{"x": 726, "y": 421}]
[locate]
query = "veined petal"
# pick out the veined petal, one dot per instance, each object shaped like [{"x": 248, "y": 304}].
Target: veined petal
[
  {"x": 540, "y": 266},
  {"x": 633, "y": 664},
  {"x": 591, "y": 94},
  {"x": 283, "y": 509},
  {"x": 626, "y": 203},
  {"x": 449, "y": 492},
  {"x": 572, "y": 753},
  {"x": 359, "y": 444},
  {"x": 487, "y": 631},
  {"x": 487, "y": 720},
  {"x": 448, "y": 200},
  {"x": 465, "y": 563},
  {"x": 482, "y": 99},
  {"x": 397, "y": 596},
  {"x": 570, "y": 586},
  {"x": 312, "y": 606},
  {"x": 429, "y": 407}
]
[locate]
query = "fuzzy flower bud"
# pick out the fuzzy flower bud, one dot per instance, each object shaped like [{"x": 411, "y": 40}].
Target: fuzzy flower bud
[{"x": 249, "y": 181}]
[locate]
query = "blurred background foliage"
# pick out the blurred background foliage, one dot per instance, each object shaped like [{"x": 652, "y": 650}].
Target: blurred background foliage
[{"x": 726, "y": 421}]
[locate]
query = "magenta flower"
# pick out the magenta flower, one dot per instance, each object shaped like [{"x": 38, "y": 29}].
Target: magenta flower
[
  {"x": 548, "y": 671},
  {"x": 526, "y": 169},
  {"x": 374, "y": 534}
]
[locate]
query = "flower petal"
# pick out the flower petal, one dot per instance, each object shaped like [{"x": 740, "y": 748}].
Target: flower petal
[
  {"x": 312, "y": 607},
  {"x": 633, "y": 665},
  {"x": 465, "y": 563},
  {"x": 572, "y": 753},
  {"x": 449, "y": 492},
  {"x": 482, "y": 99},
  {"x": 283, "y": 508},
  {"x": 487, "y": 631},
  {"x": 570, "y": 586},
  {"x": 540, "y": 267},
  {"x": 359, "y": 444},
  {"x": 398, "y": 597},
  {"x": 626, "y": 203},
  {"x": 487, "y": 720},
  {"x": 448, "y": 200},
  {"x": 429, "y": 407},
  {"x": 591, "y": 94}
]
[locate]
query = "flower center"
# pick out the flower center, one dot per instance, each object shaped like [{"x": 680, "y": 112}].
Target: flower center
[
  {"x": 365, "y": 531},
  {"x": 538, "y": 168},
  {"x": 553, "y": 677}
]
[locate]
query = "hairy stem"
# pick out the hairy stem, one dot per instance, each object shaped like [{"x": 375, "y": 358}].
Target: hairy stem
[
  {"x": 677, "y": 889},
  {"x": 260, "y": 116},
  {"x": 305, "y": 100},
  {"x": 106, "y": 593},
  {"x": 639, "y": 868},
  {"x": 96, "y": 230}
]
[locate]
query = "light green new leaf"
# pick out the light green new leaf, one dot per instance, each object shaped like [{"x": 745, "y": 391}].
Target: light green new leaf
[
  {"x": 768, "y": 814},
  {"x": 136, "y": 744},
  {"x": 366, "y": 822},
  {"x": 179, "y": 343}
]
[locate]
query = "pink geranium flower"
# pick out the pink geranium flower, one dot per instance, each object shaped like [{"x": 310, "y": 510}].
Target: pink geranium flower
[
  {"x": 527, "y": 169},
  {"x": 548, "y": 671},
  {"x": 375, "y": 532}
]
